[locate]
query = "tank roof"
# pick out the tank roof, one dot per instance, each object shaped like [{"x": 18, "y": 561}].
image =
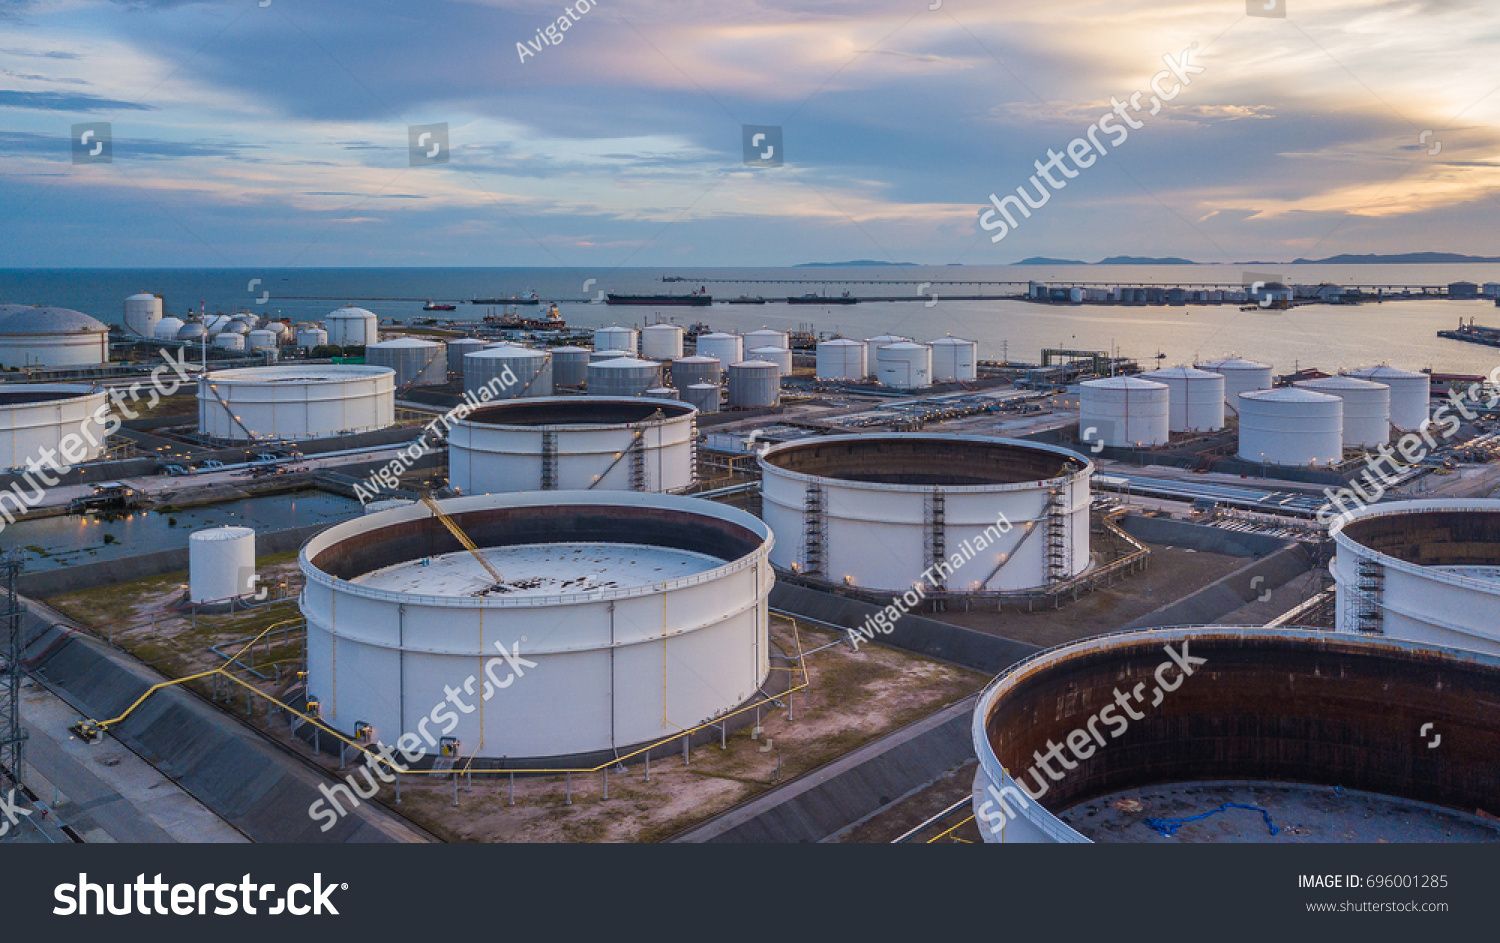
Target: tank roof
[
  {"x": 1289, "y": 394},
  {"x": 1123, "y": 383},
  {"x": 44, "y": 319}
]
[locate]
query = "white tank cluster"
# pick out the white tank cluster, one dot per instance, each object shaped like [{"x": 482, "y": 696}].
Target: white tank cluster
[
  {"x": 954, "y": 359},
  {"x": 623, "y": 376},
  {"x": 780, "y": 356},
  {"x": 1423, "y": 571},
  {"x": 843, "y": 359},
  {"x": 1240, "y": 376},
  {"x": 143, "y": 311},
  {"x": 51, "y": 337},
  {"x": 1291, "y": 426},
  {"x": 1195, "y": 398},
  {"x": 857, "y": 510},
  {"x": 754, "y": 384},
  {"x": 725, "y": 348},
  {"x": 615, "y": 337},
  {"x": 295, "y": 402},
  {"x": 661, "y": 342},
  {"x": 1411, "y": 394},
  {"x": 37, "y": 417},
  {"x": 221, "y": 565},
  {"x": 1367, "y": 408},
  {"x": 416, "y": 362},
  {"x": 904, "y": 365},
  {"x": 352, "y": 327},
  {"x": 570, "y": 366},
  {"x": 508, "y": 372},
  {"x": 639, "y": 616},
  {"x": 1124, "y": 412}
]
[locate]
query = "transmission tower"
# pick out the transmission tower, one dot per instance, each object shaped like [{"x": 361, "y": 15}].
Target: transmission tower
[{"x": 12, "y": 737}]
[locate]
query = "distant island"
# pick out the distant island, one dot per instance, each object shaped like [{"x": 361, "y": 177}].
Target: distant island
[
  {"x": 1112, "y": 260},
  {"x": 1408, "y": 258},
  {"x": 848, "y": 264}
]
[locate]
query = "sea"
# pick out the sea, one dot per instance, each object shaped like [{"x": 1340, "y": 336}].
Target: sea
[{"x": 1402, "y": 333}]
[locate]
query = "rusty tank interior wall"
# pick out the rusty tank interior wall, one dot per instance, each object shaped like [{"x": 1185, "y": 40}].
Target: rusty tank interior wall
[
  {"x": 924, "y": 460},
  {"x": 1432, "y": 537},
  {"x": 575, "y": 411}
]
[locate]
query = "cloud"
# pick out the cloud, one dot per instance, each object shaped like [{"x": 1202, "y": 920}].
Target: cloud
[{"x": 64, "y": 101}]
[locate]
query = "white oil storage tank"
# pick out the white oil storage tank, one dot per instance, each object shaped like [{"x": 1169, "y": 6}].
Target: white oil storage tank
[
  {"x": 661, "y": 341},
  {"x": 687, "y": 371},
  {"x": 703, "y": 397},
  {"x": 954, "y": 359},
  {"x": 221, "y": 565},
  {"x": 295, "y": 402},
  {"x": 1367, "y": 408},
  {"x": 167, "y": 329},
  {"x": 843, "y": 359},
  {"x": 1411, "y": 393},
  {"x": 415, "y": 361},
  {"x": 638, "y": 616},
  {"x": 754, "y": 383},
  {"x": 573, "y": 442},
  {"x": 904, "y": 365},
  {"x": 765, "y": 337},
  {"x": 1124, "y": 412},
  {"x": 873, "y": 525},
  {"x": 51, "y": 337},
  {"x": 570, "y": 366},
  {"x": 1291, "y": 426},
  {"x": 623, "y": 376},
  {"x": 1196, "y": 398},
  {"x": 37, "y": 417},
  {"x": 508, "y": 372},
  {"x": 143, "y": 312},
  {"x": 880, "y": 340},
  {"x": 457, "y": 349},
  {"x": 310, "y": 337},
  {"x": 725, "y": 348},
  {"x": 263, "y": 340},
  {"x": 228, "y": 340},
  {"x": 1240, "y": 376},
  {"x": 615, "y": 337},
  {"x": 780, "y": 356},
  {"x": 352, "y": 327}
]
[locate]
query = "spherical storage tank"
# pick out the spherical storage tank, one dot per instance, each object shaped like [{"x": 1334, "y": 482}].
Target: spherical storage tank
[
  {"x": 573, "y": 442},
  {"x": 843, "y": 359},
  {"x": 1240, "y": 376},
  {"x": 954, "y": 359},
  {"x": 687, "y": 371},
  {"x": 1124, "y": 412},
  {"x": 780, "y": 356},
  {"x": 142, "y": 313},
  {"x": 352, "y": 327},
  {"x": 875, "y": 494},
  {"x": 661, "y": 341},
  {"x": 508, "y": 372},
  {"x": 50, "y": 337},
  {"x": 310, "y": 337},
  {"x": 1291, "y": 426},
  {"x": 460, "y": 348},
  {"x": 416, "y": 362},
  {"x": 725, "y": 348},
  {"x": 615, "y": 337},
  {"x": 703, "y": 397},
  {"x": 263, "y": 340},
  {"x": 904, "y": 365},
  {"x": 1195, "y": 398},
  {"x": 754, "y": 383},
  {"x": 194, "y": 331},
  {"x": 638, "y": 616},
  {"x": 570, "y": 366},
  {"x": 1411, "y": 394},
  {"x": 765, "y": 337},
  {"x": 623, "y": 376},
  {"x": 221, "y": 564},
  {"x": 167, "y": 329},
  {"x": 1367, "y": 408},
  {"x": 228, "y": 340},
  {"x": 37, "y": 417},
  {"x": 295, "y": 402}
]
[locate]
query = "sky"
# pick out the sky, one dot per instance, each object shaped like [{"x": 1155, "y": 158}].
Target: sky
[{"x": 276, "y": 133}]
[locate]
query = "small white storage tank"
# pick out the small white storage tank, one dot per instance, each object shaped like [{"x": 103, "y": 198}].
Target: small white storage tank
[
  {"x": 508, "y": 372},
  {"x": 460, "y": 348},
  {"x": 1196, "y": 398},
  {"x": 416, "y": 362},
  {"x": 167, "y": 329},
  {"x": 661, "y": 392},
  {"x": 570, "y": 366},
  {"x": 221, "y": 564},
  {"x": 661, "y": 341},
  {"x": 703, "y": 397},
  {"x": 1367, "y": 408},
  {"x": 1240, "y": 376},
  {"x": 754, "y": 383},
  {"x": 904, "y": 365},
  {"x": 228, "y": 340},
  {"x": 765, "y": 337},
  {"x": 725, "y": 348},
  {"x": 1411, "y": 394},
  {"x": 623, "y": 376},
  {"x": 615, "y": 338},
  {"x": 687, "y": 371},
  {"x": 38, "y": 416},
  {"x": 1124, "y": 412},
  {"x": 843, "y": 359},
  {"x": 142, "y": 313},
  {"x": 1291, "y": 426},
  {"x": 263, "y": 340},
  {"x": 780, "y": 356},
  {"x": 51, "y": 337},
  {"x": 352, "y": 327},
  {"x": 954, "y": 359},
  {"x": 295, "y": 402},
  {"x": 310, "y": 337}
]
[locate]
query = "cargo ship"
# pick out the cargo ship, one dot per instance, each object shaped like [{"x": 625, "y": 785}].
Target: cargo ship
[
  {"x": 530, "y": 299},
  {"x": 698, "y": 299},
  {"x": 1474, "y": 334},
  {"x": 552, "y": 321},
  {"x": 747, "y": 300},
  {"x": 812, "y": 298},
  {"x": 430, "y": 306}
]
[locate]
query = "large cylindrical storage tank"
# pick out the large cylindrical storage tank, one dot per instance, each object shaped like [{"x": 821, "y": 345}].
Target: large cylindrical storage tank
[
  {"x": 725, "y": 348},
  {"x": 1124, "y": 412},
  {"x": 1196, "y": 398},
  {"x": 310, "y": 337},
  {"x": 780, "y": 356},
  {"x": 36, "y": 417},
  {"x": 51, "y": 337},
  {"x": 352, "y": 327},
  {"x": 904, "y": 365},
  {"x": 615, "y": 337},
  {"x": 754, "y": 383},
  {"x": 1367, "y": 408},
  {"x": 954, "y": 359},
  {"x": 1240, "y": 376},
  {"x": 703, "y": 397},
  {"x": 142, "y": 313},
  {"x": 765, "y": 337},
  {"x": 228, "y": 340},
  {"x": 416, "y": 362},
  {"x": 295, "y": 402},
  {"x": 623, "y": 376},
  {"x": 875, "y": 495},
  {"x": 843, "y": 359},
  {"x": 687, "y": 371},
  {"x": 221, "y": 564},
  {"x": 263, "y": 340},
  {"x": 167, "y": 329},
  {"x": 570, "y": 366},
  {"x": 1411, "y": 394},
  {"x": 459, "y": 348},
  {"x": 1291, "y": 426},
  {"x": 508, "y": 372},
  {"x": 661, "y": 341},
  {"x": 638, "y": 616},
  {"x": 573, "y": 442},
  {"x": 1424, "y": 571}
]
